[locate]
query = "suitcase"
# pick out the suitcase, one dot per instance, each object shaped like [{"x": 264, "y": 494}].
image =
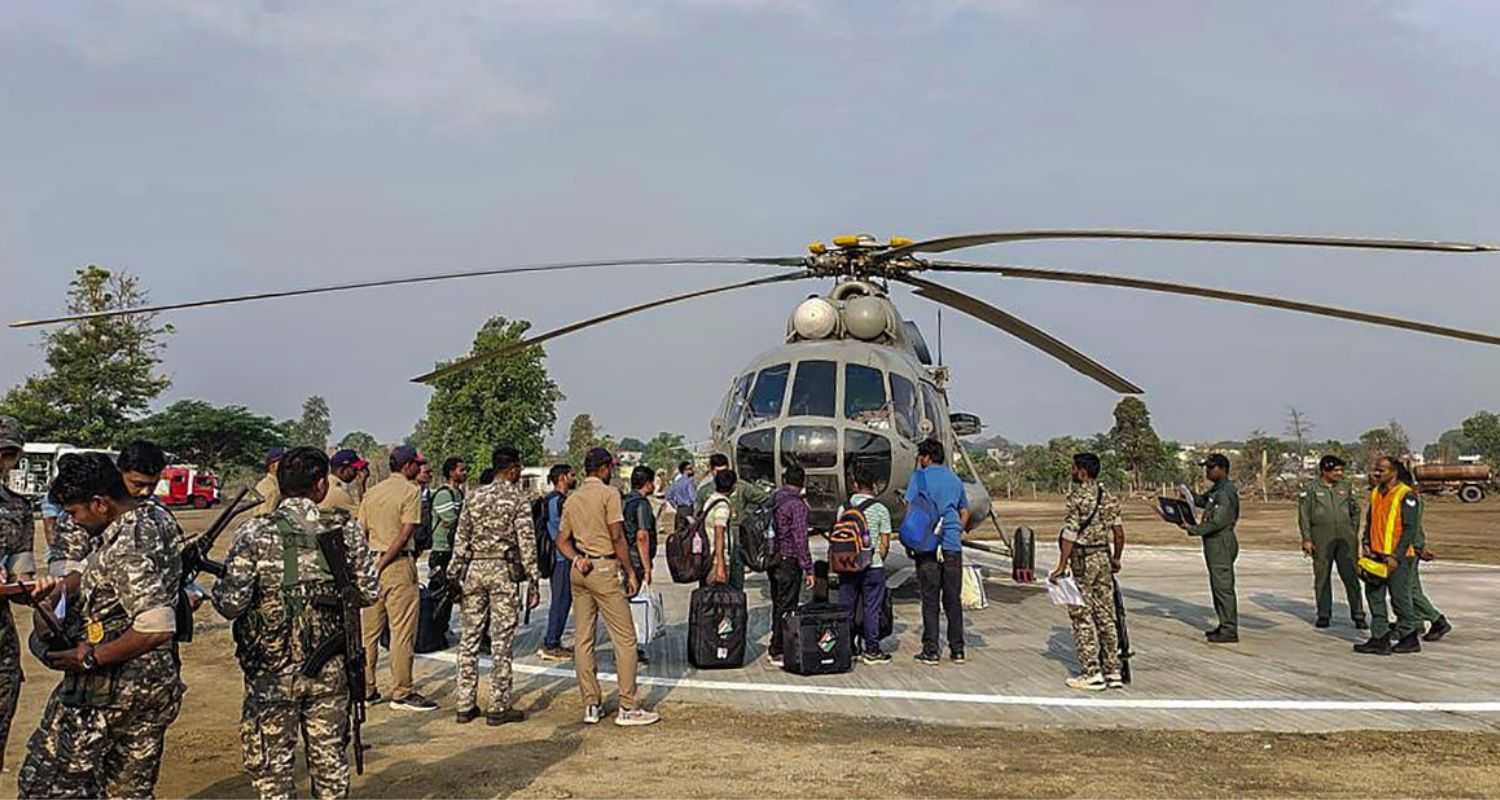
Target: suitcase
[
  {"x": 717, "y": 622},
  {"x": 1023, "y": 556},
  {"x": 972, "y": 595},
  {"x": 646, "y": 611},
  {"x": 816, "y": 640},
  {"x": 432, "y": 621}
]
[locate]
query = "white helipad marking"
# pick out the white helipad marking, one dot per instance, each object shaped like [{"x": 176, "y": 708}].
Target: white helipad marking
[{"x": 1085, "y": 703}]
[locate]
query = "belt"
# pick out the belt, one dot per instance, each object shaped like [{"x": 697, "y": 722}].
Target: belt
[
  {"x": 487, "y": 557},
  {"x": 592, "y": 557},
  {"x": 1090, "y": 547}
]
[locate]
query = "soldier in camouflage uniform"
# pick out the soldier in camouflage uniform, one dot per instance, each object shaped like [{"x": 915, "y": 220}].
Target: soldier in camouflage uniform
[
  {"x": 273, "y": 574},
  {"x": 16, "y": 563},
  {"x": 101, "y": 733},
  {"x": 493, "y": 556},
  {"x": 1093, "y": 514}
]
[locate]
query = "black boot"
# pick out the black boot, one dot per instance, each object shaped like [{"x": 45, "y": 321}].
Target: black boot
[
  {"x": 1321, "y": 623},
  {"x": 1438, "y": 630},
  {"x": 1377, "y": 646},
  {"x": 1360, "y": 624},
  {"x": 1408, "y": 644}
]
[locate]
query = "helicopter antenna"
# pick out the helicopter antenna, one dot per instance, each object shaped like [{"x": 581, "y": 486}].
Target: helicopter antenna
[{"x": 940, "y": 336}]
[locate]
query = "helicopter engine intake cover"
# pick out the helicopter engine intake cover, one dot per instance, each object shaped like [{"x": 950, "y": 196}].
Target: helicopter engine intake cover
[
  {"x": 866, "y": 317},
  {"x": 815, "y": 318}
]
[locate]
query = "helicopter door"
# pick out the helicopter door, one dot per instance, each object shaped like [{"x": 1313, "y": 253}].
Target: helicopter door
[
  {"x": 930, "y": 407},
  {"x": 904, "y": 401}
]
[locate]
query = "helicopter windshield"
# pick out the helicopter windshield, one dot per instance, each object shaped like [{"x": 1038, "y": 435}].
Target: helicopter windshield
[
  {"x": 864, "y": 397},
  {"x": 734, "y": 404},
  {"x": 770, "y": 388},
  {"x": 813, "y": 389},
  {"x": 904, "y": 398}
]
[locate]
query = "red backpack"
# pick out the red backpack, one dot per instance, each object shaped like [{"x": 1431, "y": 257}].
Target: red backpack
[{"x": 849, "y": 545}]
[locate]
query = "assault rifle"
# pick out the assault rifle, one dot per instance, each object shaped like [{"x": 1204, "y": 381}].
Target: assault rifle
[
  {"x": 48, "y": 633},
  {"x": 1123, "y": 632},
  {"x": 348, "y": 642},
  {"x": 195, "y": 558}
]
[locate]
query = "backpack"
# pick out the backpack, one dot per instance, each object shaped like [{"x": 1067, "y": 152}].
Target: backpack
[
  {"x": 849, "y": 543},
  {"x": 546, "y": 549},
  {"x": 758, "y": 536},
  {"x": 421, "y": 538},
  {"x": 690, "y": 552},
  {"x": 919, "y": 528}
]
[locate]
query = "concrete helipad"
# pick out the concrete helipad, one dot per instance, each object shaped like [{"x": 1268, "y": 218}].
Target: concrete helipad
[{"x": 1284, "y": 675}]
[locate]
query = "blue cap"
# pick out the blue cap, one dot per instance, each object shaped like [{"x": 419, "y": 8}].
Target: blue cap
[
  {"x": 274, "y": 455},
  {"x": 406, "y": 454}
]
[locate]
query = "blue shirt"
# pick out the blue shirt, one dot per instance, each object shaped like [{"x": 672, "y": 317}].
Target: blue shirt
[
  {"x": 50, "y": 510},
  {"x": 682, "y": 492},
  {"x": 554, "y": 523},
  {"x": 946, "y": 491}
]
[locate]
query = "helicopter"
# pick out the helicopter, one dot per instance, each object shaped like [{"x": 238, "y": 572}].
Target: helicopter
[{"x": 854, "y": 382}]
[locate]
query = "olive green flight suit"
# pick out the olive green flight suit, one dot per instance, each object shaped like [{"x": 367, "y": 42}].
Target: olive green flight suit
[
  {"x": 1399, "y": 584},
  {"x": 1425, "y": 610},
  {"x": 1329, "y": 518},
  {"x": 1221, "y": 512}
]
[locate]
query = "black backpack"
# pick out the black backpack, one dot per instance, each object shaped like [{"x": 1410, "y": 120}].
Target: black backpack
[
  {"x": 690, "y": 552},
  {"x": 546, "y": 549},
  {"x": 422, "y": 537},
  {"x": 758, "y": 536}
]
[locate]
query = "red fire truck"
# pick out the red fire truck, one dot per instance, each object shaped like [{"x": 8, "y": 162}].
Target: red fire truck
[{"x": 183, "y": 484}]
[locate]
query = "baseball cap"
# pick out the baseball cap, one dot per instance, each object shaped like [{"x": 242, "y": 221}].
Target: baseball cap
[
  {"x": 406, "y": 454},
  {"x": 10, "y": 434},
  {"x": 1329, "y": 462},
  {"x": 1215, "y": 460},
  {"x": 274, "y": 455},
  {"x": 348, "y": 458}
]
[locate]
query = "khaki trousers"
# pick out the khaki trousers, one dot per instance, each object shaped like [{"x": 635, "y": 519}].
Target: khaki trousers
[
  {"x": 594, "y": 595},
  {"x": 396, "y": 604}
]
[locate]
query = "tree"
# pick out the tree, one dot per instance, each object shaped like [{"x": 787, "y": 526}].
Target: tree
[
  {"x": 509, "y": 400},
  {"x": 1483, "y": 432},
  {"x": 632, "y": 443},
  {"x": 101, "y": 373},
  {"x": 314, "y": 428},
  {"x": 665, "y": 451},
  {"x": 584, "y": 435},
  {"x": 222, "y": 438},
  {"x": 360, "y": 442},
  {"x": 1134, "y": 439},
  {"x": 1261, "y": 461},
  {"x": 1298, "y": 428},
  {"x": 1388, "y": 441}
]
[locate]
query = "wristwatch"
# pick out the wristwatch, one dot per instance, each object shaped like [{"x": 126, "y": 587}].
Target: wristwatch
[{"x": 90, "y": 663}]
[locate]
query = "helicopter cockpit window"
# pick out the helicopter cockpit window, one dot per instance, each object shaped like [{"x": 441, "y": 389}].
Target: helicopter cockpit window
[
  {"x": 755, "y": 457},
  {"x": 930, "y": 408},
  {"x": 812, "y": 446},
  {"x": 770, "y": 388},
  {"x": 904, "y": 398},
  {"x": 813, "y": 389},
  {"x": 864, "y": 397},
  {"x": 734, "y": 406}
]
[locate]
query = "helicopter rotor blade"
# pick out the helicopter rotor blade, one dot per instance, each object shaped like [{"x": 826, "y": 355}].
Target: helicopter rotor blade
[
  {"x": 949, "y": 243},
  {"x": 344, "y": 287},
  {"x": 1096, "y": 279},
  {"x": 1022, "y": 330},
  {"x": 480, "y": 358}
]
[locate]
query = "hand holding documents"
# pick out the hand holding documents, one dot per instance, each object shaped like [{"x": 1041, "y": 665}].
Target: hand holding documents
[
  {"x": 1177, "y": 512},
  {"x": 1064, "y": 592}
]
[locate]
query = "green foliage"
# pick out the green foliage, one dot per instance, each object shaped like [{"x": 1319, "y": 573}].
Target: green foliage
[
  {"x": 1390, "y": 440},
  {"x": 1483, "y": 433},
  {"x": 665, "y": 451},
  {"x": 508, "y": 400},
  {"x": 1449, "y": 446},
  {"x": 100, "y": 373},
  {"x": 1261, "y": 450},
  {"x": 632, "y": 443},
  {"x": 583, "y": 436},
  {"x": 1132, "y": 440},
  {"x": 315, "y": 426},
  {"x": 360, "y": 442},
  {"x": 222, "y": 438}
]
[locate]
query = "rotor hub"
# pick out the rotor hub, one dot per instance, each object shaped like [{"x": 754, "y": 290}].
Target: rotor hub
[{"x": 861, "y": 256}]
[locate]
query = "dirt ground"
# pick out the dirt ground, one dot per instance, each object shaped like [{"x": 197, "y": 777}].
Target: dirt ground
[{"x": 712, "y": 751}]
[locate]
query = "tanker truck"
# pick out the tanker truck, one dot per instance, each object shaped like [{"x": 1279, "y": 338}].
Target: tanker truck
[{"x": 1468, "y": 481}]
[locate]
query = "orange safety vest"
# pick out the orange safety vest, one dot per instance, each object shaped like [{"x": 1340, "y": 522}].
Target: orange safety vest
[{"x": 1385, "y": 520}]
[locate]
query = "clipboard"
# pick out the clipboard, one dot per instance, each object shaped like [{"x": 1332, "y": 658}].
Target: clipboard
[{"x": 1176, "y": 511}]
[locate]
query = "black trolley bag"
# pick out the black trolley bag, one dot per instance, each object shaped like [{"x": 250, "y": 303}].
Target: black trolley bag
[
  {"x": 717, "y": 623},
  {"x": 816, "y": 639},
  {"x": 433, "y": 613}
]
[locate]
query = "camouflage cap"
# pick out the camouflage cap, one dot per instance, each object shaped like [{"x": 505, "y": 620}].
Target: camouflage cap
[{"x": 10, "y": 434}]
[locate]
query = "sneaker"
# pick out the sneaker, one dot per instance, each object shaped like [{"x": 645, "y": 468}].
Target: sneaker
[
  {"x": 494, "y": 718},
  {"x": 1377, "y": 646},
  {"x": 1439, "y": 629},
  {"x": 876, "y": 657},
  {"x": 555, "y": 654},
  {"x": 374, "y": 699},
  {"x": 956, "y": 655},
  {"x": 776, "y": 661},
  {"x": 468, "y": 715},
  {"x": 641, "y": 658},
  {"x": 414, "y": 702},
  {"x": 593, "y": 714},
  {"x": 1321, "y": 623},
  {"x": 1361, "y": 624},
  {"x": 1408, "y": 644},
  {"x": 1114, "y": 680},
  {"x": 929, "y": 659},
  {"x": 1087, "y": 683},
  {"x": 1220, "y": 637},
  {"x": 636, "y": 717}
]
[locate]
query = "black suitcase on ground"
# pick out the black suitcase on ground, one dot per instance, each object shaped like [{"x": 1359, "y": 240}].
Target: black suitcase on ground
[
  {"x": 717, "y": 622},
  {"x": 432, "y": 621},
  {"x": 816, "y": 640}
]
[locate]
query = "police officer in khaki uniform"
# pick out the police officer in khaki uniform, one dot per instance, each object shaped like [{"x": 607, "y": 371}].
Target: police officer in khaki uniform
[
  {"x": 390, "y": 513},
  {"x": 267, "y": 489},
  {"x": 1328, "y": 516},
  {"x": 343, "y": 471}
]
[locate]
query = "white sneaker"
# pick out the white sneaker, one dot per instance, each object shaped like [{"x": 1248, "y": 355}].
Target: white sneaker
[
  {"x": 593, "y": 714},
  {"x": 632, "y": 717},
  {"x": 1114, "y": 680},
  {"x": 1087, "y": 683},
  {"x": 776, "y": 661}
]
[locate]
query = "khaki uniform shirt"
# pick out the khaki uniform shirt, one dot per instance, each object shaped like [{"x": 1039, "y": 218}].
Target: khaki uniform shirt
[
  {"x": 269, "y": 489},
  {"x": 340, "y": 496},
  {"x": 393, "y": 504},
  {"x": 587, "y": 515}
]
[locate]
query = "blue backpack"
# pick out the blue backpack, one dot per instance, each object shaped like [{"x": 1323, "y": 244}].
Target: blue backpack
[{"x": 919, "y": 530}]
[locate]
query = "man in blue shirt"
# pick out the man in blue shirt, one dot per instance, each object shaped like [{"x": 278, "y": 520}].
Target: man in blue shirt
[
  {"x": 941, "y": 578},
  {"x": 561, "y": 477},
  {"x": 682, "y": 493}
]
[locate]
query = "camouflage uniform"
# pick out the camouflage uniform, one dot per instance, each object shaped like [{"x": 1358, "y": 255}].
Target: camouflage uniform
[
  {"x": 276, "y": 626},
  {"x": 496, "y": 520},
  {"x": 71, "y": 544},
  {"x": 101, "y": 733},
  {"x": 1095, "y": 635},
  {"x": 16, "y": 534}
]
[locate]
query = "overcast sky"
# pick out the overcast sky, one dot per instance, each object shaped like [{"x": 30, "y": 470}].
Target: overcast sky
[{"x": 211, "y": 150}]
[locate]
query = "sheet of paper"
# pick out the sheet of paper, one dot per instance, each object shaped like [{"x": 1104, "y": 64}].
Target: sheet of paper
[{"x": 1064, "y": 592}]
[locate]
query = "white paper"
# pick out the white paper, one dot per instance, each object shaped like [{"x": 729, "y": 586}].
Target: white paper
[
  {"x": 1184, "y": 492},
  {"x": 62, "y": 607},
  {"x": 1064, "y": 592}
]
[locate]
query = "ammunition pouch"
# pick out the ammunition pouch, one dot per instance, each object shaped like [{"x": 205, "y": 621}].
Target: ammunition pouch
[
  {"x": 309, "y": 617},
  {"x": 97, "y": 688}
]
